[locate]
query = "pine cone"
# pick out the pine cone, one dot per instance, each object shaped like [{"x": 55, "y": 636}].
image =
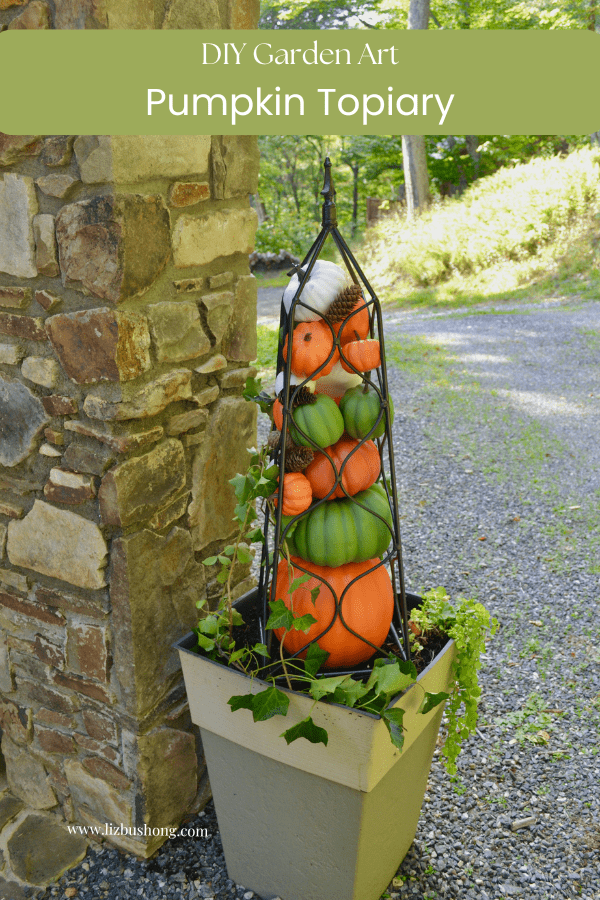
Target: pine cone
[
  {"x": 298, "y": 458},
  {"x": 273, "y": 439},
  {"x": 344, "y": 303},
  {"x": 303, "y": 396}
]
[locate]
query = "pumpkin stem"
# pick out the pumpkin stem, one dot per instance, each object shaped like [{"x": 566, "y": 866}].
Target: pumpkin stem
[{"x": 308, "y": 336}]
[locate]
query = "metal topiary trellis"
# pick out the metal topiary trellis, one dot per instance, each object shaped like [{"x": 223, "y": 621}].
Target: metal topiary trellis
[{"x": 275, "y": 534}]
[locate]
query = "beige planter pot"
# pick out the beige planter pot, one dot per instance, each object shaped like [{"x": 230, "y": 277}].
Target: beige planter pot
[{"x": 305, "y": 821}]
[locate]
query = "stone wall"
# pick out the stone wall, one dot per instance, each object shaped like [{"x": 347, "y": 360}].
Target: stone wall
[{"x": 127, "y": 323}]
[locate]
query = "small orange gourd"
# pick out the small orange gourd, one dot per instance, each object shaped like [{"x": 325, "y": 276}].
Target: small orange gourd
[
  {"x": 356, "y": 328},
  {"x": 312, "y": 342},
  {"x": 297, "y": 494},
  {"x": 359, "y": 473},
  {"x": 367, "y": 608},
  {"x": 362, "y": 355}
]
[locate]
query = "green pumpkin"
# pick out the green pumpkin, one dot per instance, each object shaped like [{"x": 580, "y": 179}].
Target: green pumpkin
[
  {"x": 321, "y": 421},
  {"x": 339, "y": 531},
  {"x": 360, "y": 407}
]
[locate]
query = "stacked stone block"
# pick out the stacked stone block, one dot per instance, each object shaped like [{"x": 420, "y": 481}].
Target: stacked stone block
[{"x": 127, "y": 326}]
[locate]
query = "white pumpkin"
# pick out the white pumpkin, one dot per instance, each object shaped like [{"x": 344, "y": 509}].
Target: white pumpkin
[
  {"x": 326, "y": 281},
  {"x": 294, "y": 380},
  {"x": 337, "y": 382}
]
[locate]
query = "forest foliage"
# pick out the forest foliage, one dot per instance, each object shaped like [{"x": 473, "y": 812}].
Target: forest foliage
[{"x": 291, "y": 173}]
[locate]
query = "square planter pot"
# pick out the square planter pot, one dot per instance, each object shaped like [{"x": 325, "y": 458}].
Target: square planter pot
[{"x": 305, "y": 821}]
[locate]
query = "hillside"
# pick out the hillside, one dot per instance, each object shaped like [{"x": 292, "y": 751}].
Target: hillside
[{"x": 528, "y": 230}]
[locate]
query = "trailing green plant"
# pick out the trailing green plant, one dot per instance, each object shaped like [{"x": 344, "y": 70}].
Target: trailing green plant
[
  {"x": 215, "y": 628},
  {"x": 467, "y": 623}
]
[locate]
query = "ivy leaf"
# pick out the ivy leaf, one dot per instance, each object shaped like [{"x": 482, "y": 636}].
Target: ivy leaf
[
  {"x": 264, "y": 487},
  {"x": 272, "y": 472},
  {"x": 208, "y": 625},
  {"x": 251, "y": 388},
  {"x": 252, "y": 391},
  {"x": 392, "y": 719},
  {"x": 285, "y": 520},
  {"x": 297, "y": 582},
  {"x": 236, "y": 617},
  {"x": 255, "y": 535},
  {"x": 388, "y": 679},
  {"x": 281, "y": 616},
  {"x": 242, "y": 485},
  {"x": 224, "y": 560},
  {"x": 241, "y": 701},
  {"x": 206, "y": 643},
  {"x": 315, "y": 658},
  {"x": 350, "y": 692},
  {"x": 237, "y": 654},
  {"x": 323, "y": 686},
  {"x": 261, "y": 650},
  {"x": 308, "y": 730},
  {"x": 430, "y": 701},
  {"x": 222, "y": 576},
  {"x": 244, "y": 554},
  {"x": 315, "y": 593},
  {"x": 269, "y": 703},
  {"x": 407, "y": 667},
  {"x": 240, "y": 513},
  {"x": 303, "y": 623},
  {"x": 210, "y": 561}
]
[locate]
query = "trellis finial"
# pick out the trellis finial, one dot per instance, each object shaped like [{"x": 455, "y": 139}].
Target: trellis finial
[{"x": 328, "y": 193}]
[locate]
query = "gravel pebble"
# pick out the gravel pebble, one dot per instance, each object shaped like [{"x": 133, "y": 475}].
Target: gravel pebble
[{"x": 495, "y": 437}]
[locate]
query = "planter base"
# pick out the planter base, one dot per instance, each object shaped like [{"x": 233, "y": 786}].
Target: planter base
[{"x": 307, "y": 838}]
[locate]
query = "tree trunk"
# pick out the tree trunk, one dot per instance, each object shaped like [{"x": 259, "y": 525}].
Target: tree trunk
[
  {"x": 354, "y": 198},
  {"x": 472, "y": 142},
  {"x": 414, "y": 155},
  {"x": 418, "y": 14},
  {"x": 416, "y": 176},
  {"x": 261, "y": 210}
]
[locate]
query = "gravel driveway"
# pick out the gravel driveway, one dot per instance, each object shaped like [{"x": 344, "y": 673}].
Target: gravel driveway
[{"x": 497, "y": 447}]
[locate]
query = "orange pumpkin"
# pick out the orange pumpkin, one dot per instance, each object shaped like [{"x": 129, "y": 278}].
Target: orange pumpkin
[
  {"x": 278, "y": 414},
  {"x": 297, "y": 494},
  {"x": 362, "y": 355},
  {"x": 356, "y": 328},
  {"x": 367, "y": 608},
  {"x": 359, "y": 473},
  {"x": 312, "y": 342}
]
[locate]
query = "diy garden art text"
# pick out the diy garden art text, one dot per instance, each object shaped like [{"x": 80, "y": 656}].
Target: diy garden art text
[{"x": 391, "y": 101}]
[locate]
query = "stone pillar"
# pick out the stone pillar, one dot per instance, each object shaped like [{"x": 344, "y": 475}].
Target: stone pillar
[{"x": 127, "y": 324}]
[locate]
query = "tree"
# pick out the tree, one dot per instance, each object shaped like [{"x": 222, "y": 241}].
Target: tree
[
  {"x": 414, "y": 154},
  {"x": 355, "y": 153},
  {"x": 299, "y": 14},
  {"x": 493, "y": 14}
]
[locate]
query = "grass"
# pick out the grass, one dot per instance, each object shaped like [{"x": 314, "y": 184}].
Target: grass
[
  {"x": 277, "y": 279},
  {"x": 526, "y": 232},
  {"x": 266, "y": 358}
]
